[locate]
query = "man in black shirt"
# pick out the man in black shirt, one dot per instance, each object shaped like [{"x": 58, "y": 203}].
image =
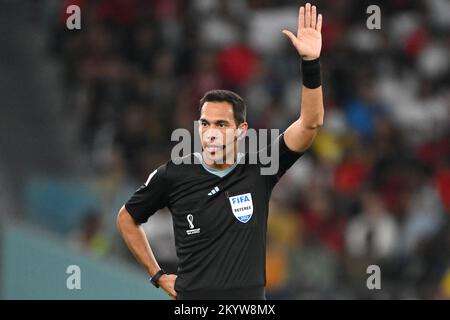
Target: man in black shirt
[{"x": 220, "y": 208}]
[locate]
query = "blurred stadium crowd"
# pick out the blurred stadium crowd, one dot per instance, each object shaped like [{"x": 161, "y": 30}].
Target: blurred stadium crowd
[{"x": 374, "y": 189}]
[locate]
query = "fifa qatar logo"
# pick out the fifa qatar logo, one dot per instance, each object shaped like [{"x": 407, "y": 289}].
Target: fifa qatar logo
[{"x": 190, "y": 220}]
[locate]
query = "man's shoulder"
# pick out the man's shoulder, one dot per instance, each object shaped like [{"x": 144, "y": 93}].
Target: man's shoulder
[
  {"x": 180, "y": 166},
  {"x": 183, "y": 162}
]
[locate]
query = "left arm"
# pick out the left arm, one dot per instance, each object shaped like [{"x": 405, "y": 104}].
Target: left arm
[{"x": 308, "y": 42}]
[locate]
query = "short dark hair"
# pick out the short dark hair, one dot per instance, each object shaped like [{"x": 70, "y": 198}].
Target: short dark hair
[{"x": 236, "y": 101}]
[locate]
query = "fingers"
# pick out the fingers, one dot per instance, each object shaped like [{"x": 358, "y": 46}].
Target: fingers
[
  {"x": 301, "y": 18},
  {"x": 308, "y": 15},
  {"x": 313, "y": 16},
  {"x": 319, "y": 23},
  {"x": 290, "y": 36},
  {"x": 173, "y": 294},
  {"x": 308, "y": 18}
]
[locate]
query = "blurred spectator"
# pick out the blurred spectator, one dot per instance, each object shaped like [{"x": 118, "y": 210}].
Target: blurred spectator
[
  {"x": 91, "y": 236},
  {"x": 373, "y": 232}
]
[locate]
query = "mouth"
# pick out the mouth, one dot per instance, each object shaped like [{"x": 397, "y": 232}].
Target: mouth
[{"x": 214, "y": 148}]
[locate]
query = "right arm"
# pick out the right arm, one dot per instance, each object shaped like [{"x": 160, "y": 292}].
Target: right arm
[{"x": 134, "y": 236}]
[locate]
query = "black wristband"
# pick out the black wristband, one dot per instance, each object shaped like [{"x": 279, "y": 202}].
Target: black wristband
[
  {"x": 154, "y": 280},
  {"x": 311, "y": 73}
]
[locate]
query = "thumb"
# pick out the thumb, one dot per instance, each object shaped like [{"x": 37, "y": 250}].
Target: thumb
[{"x": 290, "y": 36}]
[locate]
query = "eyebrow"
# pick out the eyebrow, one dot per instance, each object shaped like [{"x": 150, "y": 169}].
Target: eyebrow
[{"x": 216, "y": 122}]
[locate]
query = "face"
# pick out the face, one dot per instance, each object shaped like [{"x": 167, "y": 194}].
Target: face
[{"x": 219, "y": 133}]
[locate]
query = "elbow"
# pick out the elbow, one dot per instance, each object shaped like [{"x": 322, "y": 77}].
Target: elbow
[
  {"x": 314, "y": 122},
  {"x": 317, "y": 124},
  {"x": 314, "y": 125}
]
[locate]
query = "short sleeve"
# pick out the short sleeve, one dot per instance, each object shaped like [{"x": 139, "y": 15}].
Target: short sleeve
[
  {"x": 150, "y": 197},
  {"x": 286, "y": 158}
]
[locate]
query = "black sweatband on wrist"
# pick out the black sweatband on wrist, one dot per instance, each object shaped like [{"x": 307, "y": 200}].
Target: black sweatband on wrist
[
  {"x": 311, "y": 73},
  {"x": 154, "y": 280}
]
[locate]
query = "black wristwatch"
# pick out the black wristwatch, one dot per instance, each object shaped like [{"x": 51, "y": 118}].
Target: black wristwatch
[{"x": 154, "y": 280}]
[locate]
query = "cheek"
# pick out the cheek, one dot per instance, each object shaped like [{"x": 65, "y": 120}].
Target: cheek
[
  {"x": 202, "y": 132},
  {"x": 229, "y": 135}
]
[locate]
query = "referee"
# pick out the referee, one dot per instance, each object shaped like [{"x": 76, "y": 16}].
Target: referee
[{"x": 220, "y": 209}]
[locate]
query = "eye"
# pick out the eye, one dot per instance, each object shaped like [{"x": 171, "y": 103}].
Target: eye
[{"x": 203, "y": 123}]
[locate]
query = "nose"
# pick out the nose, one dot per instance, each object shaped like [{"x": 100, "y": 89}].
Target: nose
[{"x": 212, "y": 135}]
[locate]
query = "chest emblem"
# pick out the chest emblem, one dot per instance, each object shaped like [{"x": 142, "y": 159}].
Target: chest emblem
[
  {"x": 192, "y": 229},
  {"x": 242, "y": 206}
]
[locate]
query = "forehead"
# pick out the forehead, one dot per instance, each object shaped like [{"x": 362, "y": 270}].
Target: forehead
[{"x": 217, "y": 111}]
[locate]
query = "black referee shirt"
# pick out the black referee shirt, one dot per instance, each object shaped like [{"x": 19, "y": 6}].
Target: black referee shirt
[{"x": 219, "y": 220}]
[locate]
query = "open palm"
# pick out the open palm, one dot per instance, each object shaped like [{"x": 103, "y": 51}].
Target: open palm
[{"x": 308, "y": 41}]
